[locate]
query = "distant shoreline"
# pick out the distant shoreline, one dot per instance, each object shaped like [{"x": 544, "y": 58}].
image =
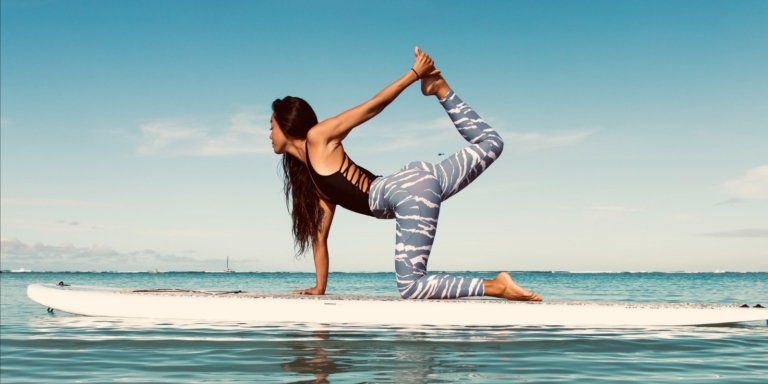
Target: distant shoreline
[{"x": 23, "y": 271}]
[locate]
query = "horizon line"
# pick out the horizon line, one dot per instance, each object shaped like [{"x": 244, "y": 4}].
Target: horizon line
[{"x": 24, "y": 270}]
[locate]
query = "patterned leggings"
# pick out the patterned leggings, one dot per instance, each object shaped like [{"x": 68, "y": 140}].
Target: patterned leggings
[{"x": 413, "y": 196}]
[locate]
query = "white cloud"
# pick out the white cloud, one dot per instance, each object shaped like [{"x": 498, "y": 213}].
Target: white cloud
[
  {"x": 731, "y": 201},
  {"x": 40, "y": 256},
  {"x": 538, "y": 140},
  {"x": 612, "y": 210},
  {"x": 436, "y": 131},
  {"x": 752, "y": 186},
  {"x": 410, "y": 135},
  {"x": 44, "y": 202},
  {"x": 752, "y": 232},
  {"x": 682, "y": 218},
  {"x": 243, "y": 136}
]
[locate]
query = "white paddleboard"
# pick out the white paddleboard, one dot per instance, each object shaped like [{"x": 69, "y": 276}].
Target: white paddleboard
[{"x": 258, "y": 308}]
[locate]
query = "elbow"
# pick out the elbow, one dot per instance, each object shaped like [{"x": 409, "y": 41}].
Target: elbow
[{"x": 320, "y": 242}]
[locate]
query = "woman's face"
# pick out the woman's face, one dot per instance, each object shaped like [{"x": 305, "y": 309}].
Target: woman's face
[{"x": 276, "y": 136}]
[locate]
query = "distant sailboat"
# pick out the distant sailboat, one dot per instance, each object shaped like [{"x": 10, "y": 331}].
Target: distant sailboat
[{"x": 229, "y": 270}]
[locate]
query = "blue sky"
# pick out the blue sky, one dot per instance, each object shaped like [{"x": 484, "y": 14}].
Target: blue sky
[{"x": 134, "y": 133}]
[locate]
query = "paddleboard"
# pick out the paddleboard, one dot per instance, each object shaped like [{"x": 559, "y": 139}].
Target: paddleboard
[{"x": 258, "y": 308}]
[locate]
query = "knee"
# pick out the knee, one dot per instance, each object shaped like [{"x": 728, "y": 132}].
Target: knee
[
  {"x": 405, "y": 290},
  {"x": 408, "y": 287},
  {"x": 498, "y": 143},
  {"x": 493, "y": 143}
]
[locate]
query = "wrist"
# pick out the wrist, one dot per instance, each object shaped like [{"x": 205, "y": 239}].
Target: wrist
[{"x": 415, "y": 73}]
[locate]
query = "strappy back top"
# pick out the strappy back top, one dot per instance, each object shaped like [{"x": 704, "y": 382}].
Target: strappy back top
[{"x": 347, "y": 187}]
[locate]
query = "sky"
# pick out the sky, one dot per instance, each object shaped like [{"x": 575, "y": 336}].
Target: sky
[{"x": 135, "y": 133}]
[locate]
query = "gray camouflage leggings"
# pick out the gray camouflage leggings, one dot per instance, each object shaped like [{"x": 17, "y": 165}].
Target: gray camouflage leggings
[{"x": 413, "y": 196}]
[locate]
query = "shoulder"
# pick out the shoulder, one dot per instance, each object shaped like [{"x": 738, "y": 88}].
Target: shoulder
[
  {"x": 320, "y": 137},
  {"x": 323, "y": 132},
  {"x": 315, "y": 134}
]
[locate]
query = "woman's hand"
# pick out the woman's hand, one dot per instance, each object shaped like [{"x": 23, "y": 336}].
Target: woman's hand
[
  {"x": 309, "y": 291},
  {"x": 423, "y": 64}
]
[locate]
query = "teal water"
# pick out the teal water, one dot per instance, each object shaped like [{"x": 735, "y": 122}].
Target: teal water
[{"x": 37, "y": 347}]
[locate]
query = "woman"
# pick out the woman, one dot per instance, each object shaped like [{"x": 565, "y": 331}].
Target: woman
[{"x": 319, "y": 175}]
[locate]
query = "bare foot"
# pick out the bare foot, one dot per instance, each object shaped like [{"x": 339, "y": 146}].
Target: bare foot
[
  {"x": 506, "y": 288},
  {"x": 434, "y": 84}
]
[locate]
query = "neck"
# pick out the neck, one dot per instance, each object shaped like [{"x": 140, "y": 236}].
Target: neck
[{"x": 297, "y": 149}]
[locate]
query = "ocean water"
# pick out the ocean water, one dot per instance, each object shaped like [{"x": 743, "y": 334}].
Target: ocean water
[{"x": 38, "y": 347}]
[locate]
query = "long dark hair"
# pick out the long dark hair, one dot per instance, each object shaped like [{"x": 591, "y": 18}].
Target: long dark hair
[{"x": 295, "y": 117}]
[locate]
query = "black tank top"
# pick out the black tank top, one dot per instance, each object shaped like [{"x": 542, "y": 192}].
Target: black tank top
[{"x": 347, "y": 187}]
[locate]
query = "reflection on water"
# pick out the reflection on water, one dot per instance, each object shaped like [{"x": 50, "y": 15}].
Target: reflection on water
[
  {"x": 314, "y": 359},
  {"x": 164, "y": 351}
]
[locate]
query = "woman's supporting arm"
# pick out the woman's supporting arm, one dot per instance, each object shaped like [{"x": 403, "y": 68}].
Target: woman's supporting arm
[{"x": 320, "y": 252}]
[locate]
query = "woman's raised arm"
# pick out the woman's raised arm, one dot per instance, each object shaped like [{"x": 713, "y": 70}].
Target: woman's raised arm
[{"x": 336, "y": 128}]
